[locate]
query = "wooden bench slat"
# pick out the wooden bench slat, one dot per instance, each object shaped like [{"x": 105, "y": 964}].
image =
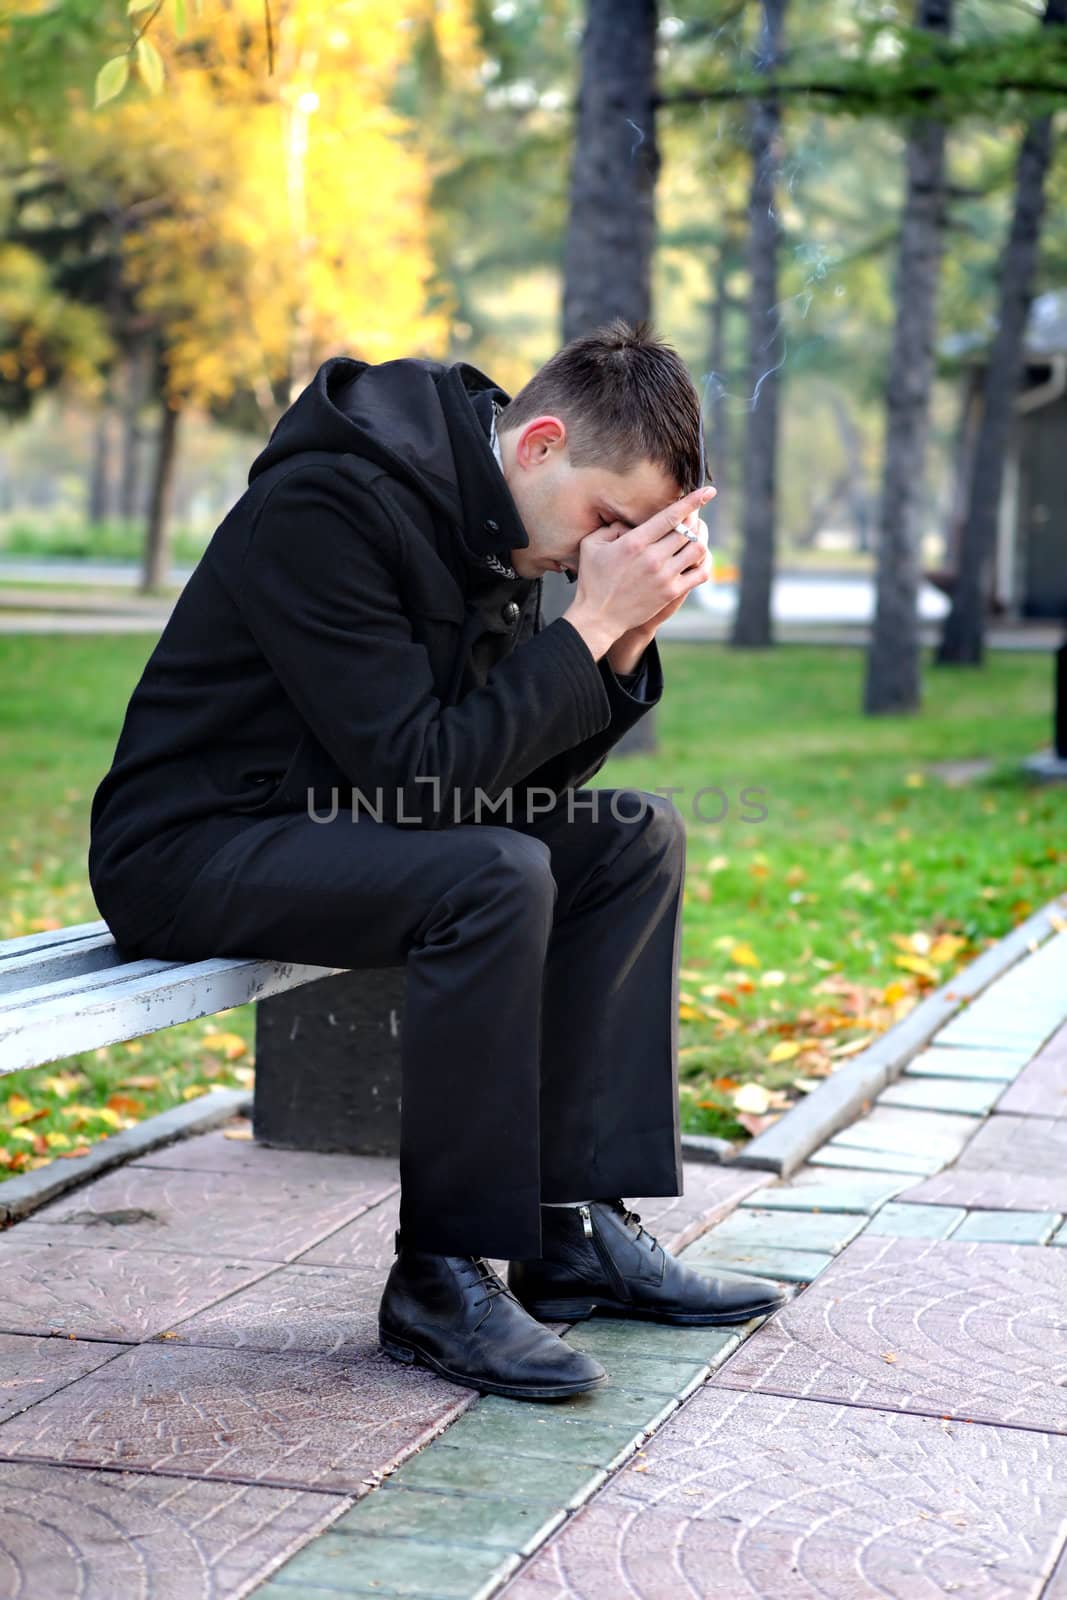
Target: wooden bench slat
[
  {"x": 28, "y": 943},
  {"x": 57, "y": 962},
  {"x": 126, "y": 1001}
]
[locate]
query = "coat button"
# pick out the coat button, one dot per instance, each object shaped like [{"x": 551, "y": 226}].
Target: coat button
[
  {"x": 492, "y": 527},
  {"x": 510, "y": 613}
]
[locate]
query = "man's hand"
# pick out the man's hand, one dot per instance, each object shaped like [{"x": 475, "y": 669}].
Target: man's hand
[
  {"x": 625, "y": 654},
  {"x": 631, "y": 579}
]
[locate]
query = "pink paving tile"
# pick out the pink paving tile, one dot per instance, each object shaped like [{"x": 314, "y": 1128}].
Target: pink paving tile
[
  {"x": 297, "y": 1421},
  {"x": 1040, "y": 1090},
  {"x": 975, "y": 1331},
  {"x": 71, "y": 1289},
  {"x": 33, "y": 1367},
  {"x": 259, "y": 1214},
  {"x": 759, "y": 1496},
  {"x": 710, "y": 1193},
  {"x": 214, "y": 1152},
  {"x": 66, "y": 1532},
  {"x": 366, "y": 1242},
  {"x": 1012, "y": 1163},
  {"x": 328, "y": 1309}
]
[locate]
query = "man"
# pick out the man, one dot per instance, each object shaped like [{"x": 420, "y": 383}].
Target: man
[{"x": 356, "y": 744}]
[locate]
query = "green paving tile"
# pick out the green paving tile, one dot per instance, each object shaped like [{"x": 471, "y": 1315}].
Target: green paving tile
[
  {"x": 789, "y": 1266},
  {"x": 899, "y": 1220},
  {"x": 449, "y": 1519},
  {"x": 1008, "y": 1227},
  {"x": 811, "y": 1189},
  {"x": 531, "y": 1479},
  {"x": 834, "y": 1155},
  {"x": 652, "y": 1375},
  {"x": 609, "y": 1404},
  {"x": 778, "y": 1230},
  {"x": 606, "y": 1338},
  {"x": 918, "y": 1135},
  {"x": 949, "y": 1061},
  {"x": 348, "y": 1564},
  {"x": 972, "y": 1096},
  {"x": 518, "y": 1434}
]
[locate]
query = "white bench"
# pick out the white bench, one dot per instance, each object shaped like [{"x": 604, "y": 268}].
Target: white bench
[{"x": 69, "y": 989}]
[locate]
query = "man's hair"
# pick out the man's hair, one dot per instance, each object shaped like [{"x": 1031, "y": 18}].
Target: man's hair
[{"x": 625, "y": 397}]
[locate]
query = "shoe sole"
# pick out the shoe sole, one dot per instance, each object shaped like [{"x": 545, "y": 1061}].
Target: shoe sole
[
  {"x": 412, "y": 1356},
  {"x": 570, "y": 1311}
]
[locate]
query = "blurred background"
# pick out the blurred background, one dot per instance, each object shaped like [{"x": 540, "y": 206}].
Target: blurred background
[{"x": 848, "y": 217}]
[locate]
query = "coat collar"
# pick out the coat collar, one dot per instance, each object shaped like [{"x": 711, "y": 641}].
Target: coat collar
[{"x": 491, "y": 521}]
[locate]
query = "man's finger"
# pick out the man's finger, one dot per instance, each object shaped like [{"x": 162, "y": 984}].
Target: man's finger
[{"x": 667, "y": 519}]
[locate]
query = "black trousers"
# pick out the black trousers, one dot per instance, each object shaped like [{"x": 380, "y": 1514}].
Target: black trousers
[{"x": 540, "y": 1045}]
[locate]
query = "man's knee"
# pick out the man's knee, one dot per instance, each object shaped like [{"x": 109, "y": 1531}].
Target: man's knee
[{"x": 658, "y": 817}]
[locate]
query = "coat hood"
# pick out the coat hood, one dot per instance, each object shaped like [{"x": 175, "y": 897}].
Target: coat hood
[{"x": 416, "y": 419}]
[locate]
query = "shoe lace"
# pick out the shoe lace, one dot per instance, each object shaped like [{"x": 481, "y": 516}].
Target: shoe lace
[
  {"x": 491, "y": 1281},
  {"x": 632, "y": 1219}
]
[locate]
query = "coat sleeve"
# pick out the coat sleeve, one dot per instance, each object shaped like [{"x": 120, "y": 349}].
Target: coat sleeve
[
  {"x": 628, "y": 705},
  {"x": 321, "y": 593}
]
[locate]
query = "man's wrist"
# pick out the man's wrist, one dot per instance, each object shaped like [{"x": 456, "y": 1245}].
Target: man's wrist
[
  {"x": 599, "y": 637},
  {"x": 626, "y": 654}
]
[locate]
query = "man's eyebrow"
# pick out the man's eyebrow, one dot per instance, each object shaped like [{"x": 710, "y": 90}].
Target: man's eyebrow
[{"x": 616, "y": 513}]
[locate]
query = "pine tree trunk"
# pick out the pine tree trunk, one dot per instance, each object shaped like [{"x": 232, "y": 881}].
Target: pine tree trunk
[
  {"x": 893, "y": 657},
  {"x": 607, "y": 262},
  {"x": 157, "y": 541},
  {"x": 963, "y": 639},
  {"x": 752, "y": 621}
]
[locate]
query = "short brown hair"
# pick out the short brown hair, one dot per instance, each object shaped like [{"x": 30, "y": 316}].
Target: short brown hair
[{"x": 626, "y": 396}]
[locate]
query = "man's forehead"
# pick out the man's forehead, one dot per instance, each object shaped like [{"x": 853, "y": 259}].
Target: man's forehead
[{"x": 637, "y": 495}]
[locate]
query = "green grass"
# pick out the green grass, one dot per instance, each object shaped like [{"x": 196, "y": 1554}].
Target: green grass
[{"x": 863, "y": 858}]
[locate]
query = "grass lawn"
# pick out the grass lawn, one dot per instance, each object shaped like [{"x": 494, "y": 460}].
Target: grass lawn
[{"x": 818, "y": 909}]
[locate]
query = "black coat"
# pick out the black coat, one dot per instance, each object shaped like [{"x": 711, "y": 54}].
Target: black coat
[{"x": 342, "y": 631}]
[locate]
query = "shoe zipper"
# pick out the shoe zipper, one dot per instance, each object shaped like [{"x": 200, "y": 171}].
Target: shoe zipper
[{"x": 604, "y": 1256}]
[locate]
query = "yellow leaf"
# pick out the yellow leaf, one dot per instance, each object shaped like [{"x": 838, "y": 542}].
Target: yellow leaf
[
  {"x": 946, "y": 947},
  {"x": 27, "y": 1135},
  {"x": 784, "y": 1050},
  {"x": 894, "y": 991},
  {"x": 231, "y": 1045},
  {"x": 689, "y": 1013},
  {"x": 744, "y": 955},
  {"x": 914, "y": 780},
  {"x": 18, "y": 1106},
  {"x": 57, "y": 1140},
  {"x": 192, "y": 1090},
  {"x": 105, "y": 1114},
  {"x": 150, "y": 65},
  {"x": 853, "y": 1047},
  {"x": 918, "y": 965}
]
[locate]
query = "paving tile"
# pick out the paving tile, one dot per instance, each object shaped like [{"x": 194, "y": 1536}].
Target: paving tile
[
  {"x": 447, "y": 1518},
  {"x": 530, "y": 1432},
  {"x": 88, "y": 1293},
  {"x": 606, "y": 1337},
  {"x": 257, "y": 1215},
  {"x": 973, "y": 1331},
  {"x": 328, "y": 1173},
  {"x": 453, "y": 1469},
  {"x": 1041, "y": 1087},
  {"x": 832, "y": 1155},
  {"x": 782, "y": 1230},
  {"x": 1007, "y": 1227},
  {"x": 351, "y": 1565},
  {"x": 295, "y": 1307},
  {"x": 609, "y": 1404},
  {"x": 997, "y": 1032},
  {"x": 970, "y": 1096},
  {"x": 786, "y": 1266},
  {"x": 710, "y": 1193},
  {"x": 897, "y": 1220},
  {"x": 653, "y": 1374},
  {"x": 33, "y": 1367},
  {"x": 1011, "y": 1164},
  {"x": 114, "y": 1535},
  {"x": 756, "y": 1497},
  {"x": 303, "y": 1421},
  {"x": 939, "y": 1135},
  {"x": 366, "y": 1242},
  {"x": 813, "y": 1189},
  {"x": 999, "y": 1066}
]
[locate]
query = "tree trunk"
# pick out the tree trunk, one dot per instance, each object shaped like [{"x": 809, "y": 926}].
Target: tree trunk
[
  {"x": 963, "y": 640},
  {"x": 133, "y": 399},
  {"x": 752, "y": 621},
  {"x": 100, "y": 496},
  {"x": 893, "y": 658},
  {"x": 157, "y": 542},
  {"x": 607, "y": 261},
  {"x": 717, "y": 513}
]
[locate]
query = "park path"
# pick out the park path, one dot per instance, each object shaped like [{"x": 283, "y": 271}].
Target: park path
[{"x": 194, "y": 1405}]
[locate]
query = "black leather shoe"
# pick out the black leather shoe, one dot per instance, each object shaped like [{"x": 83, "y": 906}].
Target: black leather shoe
[
  {"x": 597, "y": 1257},
  {"x": 455, "y": 1315}
]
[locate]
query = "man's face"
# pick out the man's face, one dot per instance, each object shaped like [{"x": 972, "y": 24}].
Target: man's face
[{"x": 561, "y": 504}]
